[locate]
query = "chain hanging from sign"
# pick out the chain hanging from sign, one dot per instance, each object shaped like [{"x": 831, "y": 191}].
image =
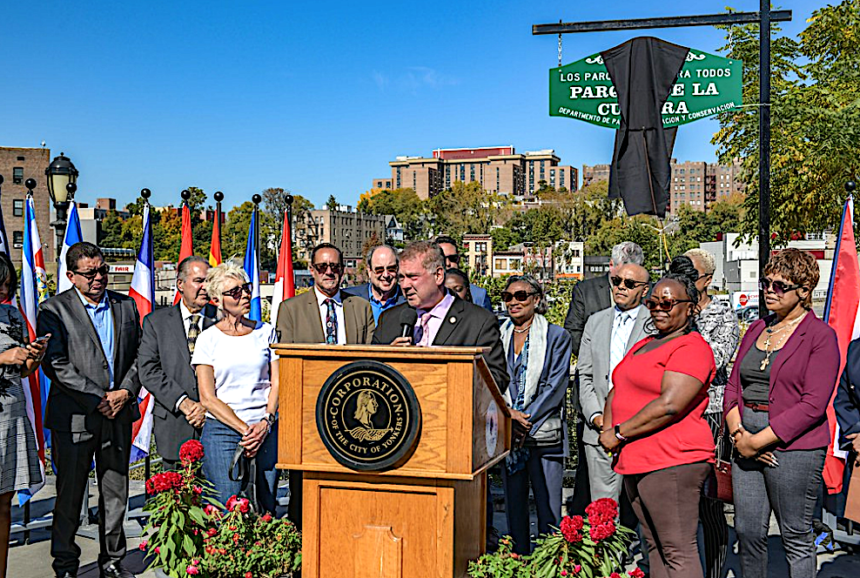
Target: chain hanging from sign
[{"x": 707, "y": 85}]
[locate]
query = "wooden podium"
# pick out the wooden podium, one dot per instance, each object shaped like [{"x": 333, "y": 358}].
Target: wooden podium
[{"x": 423, "y": 516}]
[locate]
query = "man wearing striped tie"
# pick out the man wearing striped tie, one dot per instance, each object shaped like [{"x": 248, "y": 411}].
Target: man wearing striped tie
[{"x": 164, "y": 361}]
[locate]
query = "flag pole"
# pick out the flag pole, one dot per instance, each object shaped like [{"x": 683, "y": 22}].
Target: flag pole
[
  {"x": 289, "y": 200},
  {"x": 219, "y": 196},
  {"x": 256, "y": 200}
]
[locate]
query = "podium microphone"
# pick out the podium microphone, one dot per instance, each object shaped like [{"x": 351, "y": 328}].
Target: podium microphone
[{"x": 408, "y": 319}]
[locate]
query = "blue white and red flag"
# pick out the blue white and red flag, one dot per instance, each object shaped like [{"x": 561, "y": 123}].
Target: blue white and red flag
[
  {"x": 34, "y": 290},
  {"x": 73, "y": 235},
  {"x": 142, "y": 290},
  {"x": 252, "y": 268}
]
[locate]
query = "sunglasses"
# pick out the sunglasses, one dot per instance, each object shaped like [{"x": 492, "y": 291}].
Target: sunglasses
[
  {"x": 380, "y": 270},
  {"x": 518, "y": 295},
  {"x": 779, "y": 287},
  {"x": 321, "y": 268},
  {"x": 667, "y": 305},
  {"x": 236, "y": 292},
  {"x": 629, "y": 283},
  {"x": 91, "y": 275},
  {"x": 453, "y": 258}
]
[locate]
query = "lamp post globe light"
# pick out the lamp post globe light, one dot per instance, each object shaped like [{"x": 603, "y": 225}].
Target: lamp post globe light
[{"x": 62, "y": 177}]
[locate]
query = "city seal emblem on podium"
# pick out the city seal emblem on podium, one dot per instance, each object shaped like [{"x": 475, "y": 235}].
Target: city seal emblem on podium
[{"x": 368, "y": 416}]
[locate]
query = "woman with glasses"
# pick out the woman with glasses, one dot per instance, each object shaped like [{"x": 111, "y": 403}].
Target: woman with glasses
[
  {"x": 775, "y": 407},
  {"x": 653, "y": 425},
  {"x": 538, "y": 355},
  {"x": 237, "y": 377},
  {"x": 19, "y": 357}
]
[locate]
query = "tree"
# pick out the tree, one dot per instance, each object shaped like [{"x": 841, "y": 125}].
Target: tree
[
  {"x": 167, "y": 235},
  {"x": 196, "y": 202},
  {"x": 331, "y": 204},
  {"x": 234, "y": 238},
  {"x": 110, "y": 231},
  {"x": 815, "y": 118},
  {"x": 403, "y": 204}
]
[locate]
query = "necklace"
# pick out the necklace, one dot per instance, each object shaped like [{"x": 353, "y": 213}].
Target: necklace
[
  {"x": 524, "y": 329},
  {"x": 767, "y": 342}
]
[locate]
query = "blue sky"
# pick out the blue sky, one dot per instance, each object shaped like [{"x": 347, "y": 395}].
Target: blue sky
[{"x": 315, "y": 98}]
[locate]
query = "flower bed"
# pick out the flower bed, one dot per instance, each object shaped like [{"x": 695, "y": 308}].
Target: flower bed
[
  {"x": 590, "y": 547},
  {"x": 190, "y": 534}
]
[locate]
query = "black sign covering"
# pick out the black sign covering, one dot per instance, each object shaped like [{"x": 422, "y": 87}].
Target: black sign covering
[{"x": 368, "y": 416}]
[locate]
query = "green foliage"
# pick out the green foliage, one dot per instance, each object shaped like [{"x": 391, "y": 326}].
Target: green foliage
[
  {"x": 110, "y": 232},
  {"x": 402, "y": 203},
  {"x": 815, "y": 110},
  {"x": 503, "y": 563}
]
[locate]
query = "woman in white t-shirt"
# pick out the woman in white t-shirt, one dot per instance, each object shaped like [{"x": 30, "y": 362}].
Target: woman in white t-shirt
[{"x": 237, "y": 377}]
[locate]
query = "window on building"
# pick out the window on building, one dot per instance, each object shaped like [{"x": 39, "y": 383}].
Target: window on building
[
  {"x": 18, "y": 207},
  {"x": 17, "y": 239},
  {"x": 18, "y": 175},
  {"x": 500, "y": 263}
]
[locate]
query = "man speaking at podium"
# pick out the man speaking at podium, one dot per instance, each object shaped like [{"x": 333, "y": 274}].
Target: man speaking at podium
[{"x": 442, "y": 318}]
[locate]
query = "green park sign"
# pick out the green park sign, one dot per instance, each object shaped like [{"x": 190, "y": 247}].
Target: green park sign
[{"x": 706, "y": 85}]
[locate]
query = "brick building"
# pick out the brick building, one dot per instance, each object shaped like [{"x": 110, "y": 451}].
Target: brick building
[
  {"x": 17, "y": 165},
  {"x": 345, "y": 228},
  {"x": 696, "y": 184},
  {"x": 499, "y": 170}
]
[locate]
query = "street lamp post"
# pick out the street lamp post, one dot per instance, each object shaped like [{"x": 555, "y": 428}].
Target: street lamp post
[{"x": 62, "y": 179}]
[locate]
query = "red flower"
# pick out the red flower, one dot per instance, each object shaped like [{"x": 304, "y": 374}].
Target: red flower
[
  {"x": 248, "y": 575},
  {"x": 242, "y": 503},
  {"x": 212, "y": 511},
  {"x": 601, "y": 511},
  {"x": 577, "y": 569},
  {"x": 211, "y": 531},
  {"x": 191, "y": 451},
  {"x": 192, "y": 570},
  {"x": 235, "y": 538},
  {"x": 637, "y": 573},
  {"x": 614, "y": 575},
  {"x": 266, "y": 517},
  {"x": 602, "y": 531},
  {"x": 163, "y": 482},
  {"x": 570, "y": 528},
  {"x": 143, "y": 545}
]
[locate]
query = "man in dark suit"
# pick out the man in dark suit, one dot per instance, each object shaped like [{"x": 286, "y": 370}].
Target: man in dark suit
[
  {"x": 91, "y": 360},
  {"x": 382, "y": 292},
  {"x": 169, "y": 335},
  {"x": 452, "y": 261},
  {"x": 588, "y": 298},
  {"x": 443, "y": 319}
]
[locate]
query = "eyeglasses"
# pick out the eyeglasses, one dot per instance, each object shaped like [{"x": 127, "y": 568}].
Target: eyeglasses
[
  {"x": 380, "y": 270},
  {"x": 629, "y": 283},
  {"x": 236, "y": 292},
  {"x": 518, "y": 295},
  {"x": 455, "y": 258},
  {"x": 336, "y": 268},
  {"x": 91, "y": 275},
  {"x": 779, "y": 287},
  {"x": 666, "y": 305}
]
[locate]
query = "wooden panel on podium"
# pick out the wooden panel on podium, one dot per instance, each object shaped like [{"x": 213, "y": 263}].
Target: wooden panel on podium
[{"x": 425, "y": 514}]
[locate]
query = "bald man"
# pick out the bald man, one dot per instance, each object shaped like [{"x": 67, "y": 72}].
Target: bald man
[{"x": 608, "y": 336}]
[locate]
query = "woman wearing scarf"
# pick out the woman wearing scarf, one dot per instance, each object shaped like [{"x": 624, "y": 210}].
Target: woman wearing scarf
[{"x": 538, "y": 355}]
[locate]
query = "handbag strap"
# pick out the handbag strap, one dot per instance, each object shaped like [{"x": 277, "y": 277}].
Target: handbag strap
[{"x": 247, "y": 471}]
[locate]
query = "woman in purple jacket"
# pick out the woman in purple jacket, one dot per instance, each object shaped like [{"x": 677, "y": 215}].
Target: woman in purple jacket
[{"x": 775, "y": 405}]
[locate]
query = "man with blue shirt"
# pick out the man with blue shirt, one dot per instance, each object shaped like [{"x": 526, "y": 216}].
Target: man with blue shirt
[
  {"x": 91, "y": 360},
  {"x": 383, "y": 291}
]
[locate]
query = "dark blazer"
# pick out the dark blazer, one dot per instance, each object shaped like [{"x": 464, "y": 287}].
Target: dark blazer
[
  {"x": 299, "y": 319},
  {"x": 802, "y": 379},
  {"x": 847, "y": 401},
  {"x": 588, "y": 297},
  {"x": 466, "y": 324},
  {"x": 165, "y": 371},
  {"x": 76, "y": 365}
]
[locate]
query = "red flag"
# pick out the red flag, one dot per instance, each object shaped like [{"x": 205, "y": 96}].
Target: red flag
[
  {"x": 215, "y": 246},
  {"x": 284, "y": 285},
  {"x": 841, "y": 313},
  {"x": 187, "y": 248}
]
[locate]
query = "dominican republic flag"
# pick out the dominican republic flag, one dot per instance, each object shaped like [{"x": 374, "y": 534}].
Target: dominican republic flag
[
  {"x": 841, "y": 313},
  {"x": 4, "y": 240},
  {"x": 252, "y": 268},
  {"x": 142, "y": 290},
  {"x": 34, "y": 290},
  {"x": 215, "y": 245},
  {"x": 187, "y": 247},
  {"x": 284, "y": 284},
  {"x": 73, "y": 235}
]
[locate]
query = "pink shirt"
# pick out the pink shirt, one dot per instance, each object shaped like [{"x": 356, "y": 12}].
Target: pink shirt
[{"x": 429, "y": 322}]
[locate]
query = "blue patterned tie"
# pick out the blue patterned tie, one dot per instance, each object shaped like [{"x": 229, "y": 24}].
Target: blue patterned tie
[{"x": 330, "y": 323}]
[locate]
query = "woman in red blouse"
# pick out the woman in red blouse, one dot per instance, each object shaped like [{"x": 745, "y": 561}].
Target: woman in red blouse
[{"x": 655, "y": 426}]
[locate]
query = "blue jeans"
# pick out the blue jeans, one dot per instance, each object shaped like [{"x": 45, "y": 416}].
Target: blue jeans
[{"x": 219, "y": 444}]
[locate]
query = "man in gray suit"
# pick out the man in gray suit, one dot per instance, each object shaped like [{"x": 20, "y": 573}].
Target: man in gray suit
[
  {"x": 91, "y": 360},
  {"x": 608, "y": 336},
  {"x": 169, "y": 335}
]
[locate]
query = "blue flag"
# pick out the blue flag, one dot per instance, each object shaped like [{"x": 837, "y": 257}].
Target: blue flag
[
  {"x": 252, "y": 268},
  {"x": 73, "y": 235}
]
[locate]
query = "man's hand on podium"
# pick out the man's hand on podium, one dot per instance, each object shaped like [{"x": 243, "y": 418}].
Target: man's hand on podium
[{"x": 402, "y": 341}]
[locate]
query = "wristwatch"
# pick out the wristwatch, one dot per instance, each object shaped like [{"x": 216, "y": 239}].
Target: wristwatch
[
  {"x": 618, "y": 433},
  {"x": 270, "y": 417}
]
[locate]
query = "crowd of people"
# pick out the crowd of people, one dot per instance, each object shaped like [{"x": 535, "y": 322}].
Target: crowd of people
[{"x": 651, "y": 384}]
